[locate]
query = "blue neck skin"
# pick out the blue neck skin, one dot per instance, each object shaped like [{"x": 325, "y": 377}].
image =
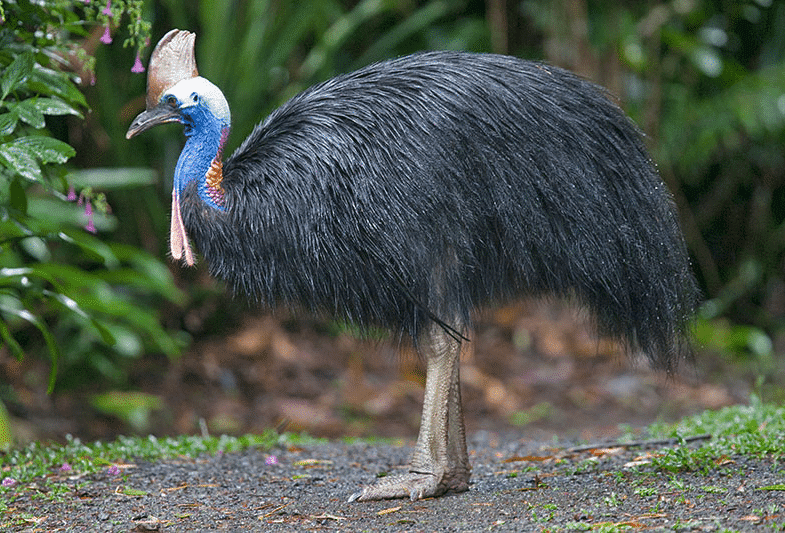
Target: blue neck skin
[{"x": 205, "y": 135}]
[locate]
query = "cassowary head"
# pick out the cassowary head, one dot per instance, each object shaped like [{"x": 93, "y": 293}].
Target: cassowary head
[{"x": 176, "y": 93}]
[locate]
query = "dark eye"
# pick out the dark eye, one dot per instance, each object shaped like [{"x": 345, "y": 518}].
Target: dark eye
[
  {"x": 172, "y": 101},
  {"x": 194, "y": 97}
]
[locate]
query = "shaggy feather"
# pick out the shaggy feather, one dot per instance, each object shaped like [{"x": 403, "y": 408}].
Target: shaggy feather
[{"x": 422, "y": 188}]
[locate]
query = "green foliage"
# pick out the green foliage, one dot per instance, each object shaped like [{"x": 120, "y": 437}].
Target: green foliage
[
  {"x": 85, "y": 301},
  {"x": 740, "y": 430},
  {"x": 36, "y": 466},
  {"x": 540, "y": 411},
  {"x": 132, "y": 407},
  {"x": 719, "y": 141}
]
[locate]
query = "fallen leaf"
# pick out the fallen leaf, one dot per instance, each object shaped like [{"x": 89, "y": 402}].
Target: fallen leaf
[
  {"x": 150, "y": 524},
  {"x": 129, "y": 492},
  {"x": 533, "y": 458},
  {"x": 312, "y": 462},
  {"x": 601, "y": 452},
  {"x": 328, "y": 517},
  {"x": 273, "y": 511}
]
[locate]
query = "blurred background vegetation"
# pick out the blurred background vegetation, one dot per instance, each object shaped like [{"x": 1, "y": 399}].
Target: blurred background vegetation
[{"x": 704, "y": 79}]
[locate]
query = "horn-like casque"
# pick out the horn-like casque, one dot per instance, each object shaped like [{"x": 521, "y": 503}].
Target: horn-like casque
[{"x": 172, "y": 60}]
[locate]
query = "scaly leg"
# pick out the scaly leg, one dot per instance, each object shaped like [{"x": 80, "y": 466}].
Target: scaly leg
[{"x": 440, "y": 462}]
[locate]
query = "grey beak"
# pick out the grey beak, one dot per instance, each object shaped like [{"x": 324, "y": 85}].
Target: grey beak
[{"x": 160, "y": 114}]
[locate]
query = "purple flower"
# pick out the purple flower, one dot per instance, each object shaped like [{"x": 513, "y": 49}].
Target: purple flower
[
  {"x": 138, "y": 67},
  {"x": 113, "y": 470},
  {"x": 271, "y": 460},
  {"x": 108, "y": 9},
  {"x": 106, "y": 38},
  {"x": 88, "y": 211},
  {"x": 71, "y": 194},
  {"x": 9, "y": 482},
  {"x": 65, "y": 468}
]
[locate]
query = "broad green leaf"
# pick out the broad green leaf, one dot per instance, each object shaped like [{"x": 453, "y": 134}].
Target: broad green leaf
[
  {"x": 73, "y": 306},
  {"x": 157, "y": 276},
  {"x": 55, "y": 107},
  {"x": 27, "y": 112},
  {"x": 86, "y": 289},
  {"x": 52, "y": 83},
  {"x": 20, "y": 160},
  {"x": 6, "y": 436},
  {"x": 22, "y": 155},
  {"x": 16, "y": 73},
  {"x": 36, "y": 247},
  {"x": 47, "y": 149},
  {"x": 56, "y": 211},
  {"x": 91, "y": 245},
  {"x": 114, "y": 178},
  {"x": 19, "y": 277},
  {"x": 10, "y": 341},
  {"x": 18, "y": 196},
  {"x": 8, "y": 123},
  {"x": 10, "y": 230},
  {"x": 20, "y": 311}
]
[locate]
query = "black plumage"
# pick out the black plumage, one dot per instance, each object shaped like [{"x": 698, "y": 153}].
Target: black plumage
[
  {"x": 414, "y": 191},
  {"x": 422, "y": 188}
]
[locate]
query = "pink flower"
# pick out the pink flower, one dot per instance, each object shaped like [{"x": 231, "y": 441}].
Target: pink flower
[
  {"x": 71, "y": 194},
  {"x": 271, "y": 460},
  {"x": 9, "y": 482},
  {"x": 65, "y": 468},
  {"x": 108, "y": 9},
  {"x": 113, "y": 470},
  {"x": 138, "y": 67},
  {"x": 88, "y": 210},
  {"x": 106, "y": 38}
]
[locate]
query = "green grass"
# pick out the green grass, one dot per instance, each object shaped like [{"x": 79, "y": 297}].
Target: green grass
[
  {"x": 756, "y": 430},
  {"x": 42, "y": 466}
]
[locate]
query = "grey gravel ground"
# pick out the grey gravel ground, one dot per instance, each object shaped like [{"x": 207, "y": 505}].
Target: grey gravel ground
[{"x": 517, "y": 485}]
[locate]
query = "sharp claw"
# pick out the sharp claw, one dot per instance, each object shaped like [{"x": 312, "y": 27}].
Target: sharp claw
[{"x": 414, "y": 485}]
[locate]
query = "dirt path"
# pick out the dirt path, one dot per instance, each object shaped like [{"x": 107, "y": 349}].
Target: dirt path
[
  {"x": 517, "y": 485},
  {"x": 546, "y": 375}
]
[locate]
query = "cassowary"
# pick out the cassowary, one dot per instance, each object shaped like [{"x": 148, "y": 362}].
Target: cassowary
[{"x": 414, "y": 191}]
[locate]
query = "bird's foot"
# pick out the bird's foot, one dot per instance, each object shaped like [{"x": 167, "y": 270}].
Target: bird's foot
[{"x": 413, "y": 485}]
